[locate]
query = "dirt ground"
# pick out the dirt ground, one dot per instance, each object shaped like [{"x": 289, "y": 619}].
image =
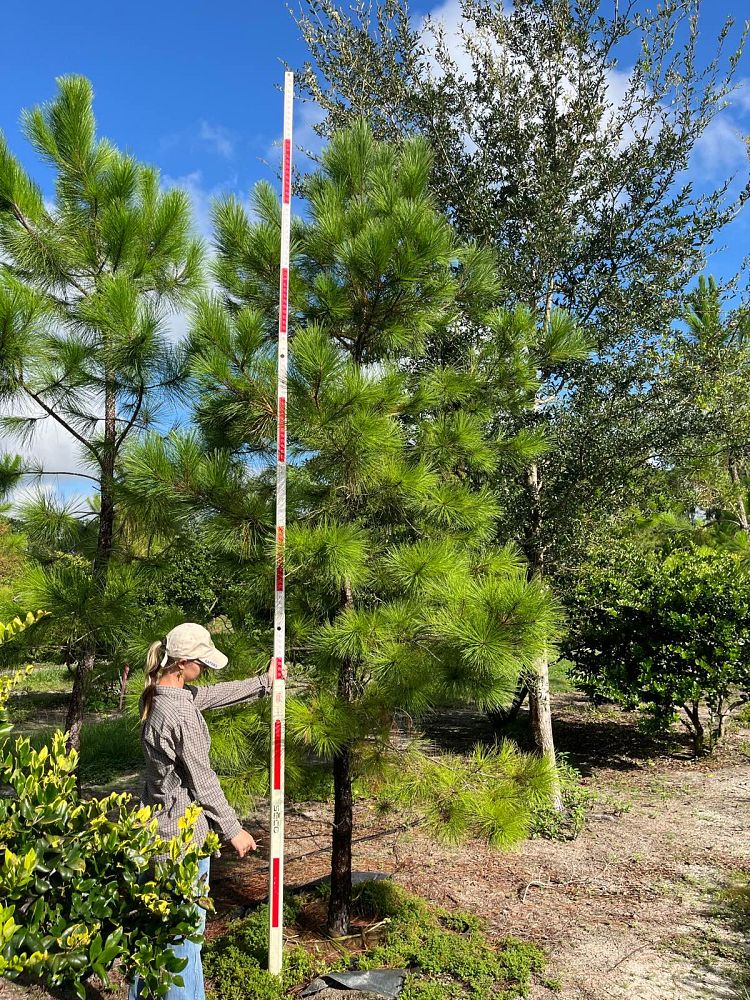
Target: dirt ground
[{"x": 624, "y": 912}]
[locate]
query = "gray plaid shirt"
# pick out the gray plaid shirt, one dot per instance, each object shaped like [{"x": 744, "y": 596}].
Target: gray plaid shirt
[{"x": 176, "y": 743}]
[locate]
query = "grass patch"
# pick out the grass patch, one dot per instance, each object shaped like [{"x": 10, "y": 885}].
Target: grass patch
[
  {"x": 47, "y": 678},
  {"x": 448, "y": 954},
  {"x": 735, "y": 904},
  {"x": 37, "y": 706},
  {"x": 109, "y": 748},
  {"x": 715, "y": 947},
  {"x": 567, "y": 823},
  {"x": 559, "y": 677}
]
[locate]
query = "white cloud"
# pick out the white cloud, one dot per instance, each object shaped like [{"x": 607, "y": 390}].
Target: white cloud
[
  {"x": 720, "y": 150},
  {"x": 176, "y": 326},
  {"x": 203, "y": 135},
  {"x": 445, "y": 22},
  {"x": 309, "y": 114},
  {"x": 740, "y": 99},
  {"x": 307, "y": 144},
  {"x": 218, "y": 138},
  {"x": 200, "y": 197},
  {"x": 50, "y": 448}
]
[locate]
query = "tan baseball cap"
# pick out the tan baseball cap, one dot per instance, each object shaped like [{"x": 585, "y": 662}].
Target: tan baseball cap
[{"x": 193, "y": 642}]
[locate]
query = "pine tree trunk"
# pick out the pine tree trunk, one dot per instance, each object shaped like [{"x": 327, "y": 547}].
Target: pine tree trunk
[
  {"x": 104, "y": 545},
  {"x": 74, "y": 721},
  {"x": 340, "y": 903}
]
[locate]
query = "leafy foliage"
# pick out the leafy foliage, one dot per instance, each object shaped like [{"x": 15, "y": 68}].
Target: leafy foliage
[
  {"x": 566, "y": 822},
  {"x": 580, "y": 193},
  {"x": 73, "y": 897},
  {"x": 8, "y": 682},
  {"x": 709, "y": 367},
  {"x": 578, "y": 187},
  {"x": 667, "y": 628}
]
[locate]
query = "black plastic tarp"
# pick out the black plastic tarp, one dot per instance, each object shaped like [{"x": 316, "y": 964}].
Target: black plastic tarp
[{"x": 386, "y": 983}]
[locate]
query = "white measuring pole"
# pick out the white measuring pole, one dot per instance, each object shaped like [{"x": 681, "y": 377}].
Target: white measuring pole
[{"x": 278, "y": 695}]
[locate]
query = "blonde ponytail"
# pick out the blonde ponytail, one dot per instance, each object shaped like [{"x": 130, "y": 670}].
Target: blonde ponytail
[{"x": 153, "y": 665}]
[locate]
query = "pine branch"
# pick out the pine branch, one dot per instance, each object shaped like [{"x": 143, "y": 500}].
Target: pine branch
[
  {"x": 63, "y": 423},
  {"x": 129, "y": 425},
  {"x": 46, "y": 472},
  {"x": 31, "y": 230}
]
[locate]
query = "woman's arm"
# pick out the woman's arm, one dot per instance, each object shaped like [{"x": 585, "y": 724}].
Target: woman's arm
[
  {"x": 191, "y": 748},
  {"x": 230, "y": 692}
]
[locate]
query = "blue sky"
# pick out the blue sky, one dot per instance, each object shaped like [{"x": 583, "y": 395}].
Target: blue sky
[
  {"x": 192, "y": 88},
  {"x": 187, "y": 86}
]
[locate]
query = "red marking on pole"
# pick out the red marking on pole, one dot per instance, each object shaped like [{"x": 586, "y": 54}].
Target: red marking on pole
[
  {"x": 277, "y": 752},
  {"x": 275, "y": 894},
  {"x": 279, "y": 670},
  {"x": 280, "y": 575},
  {"x": 284, "y": 303},
  {"x": 287, "y": 170},
  {"x": 282, "y": 429}
]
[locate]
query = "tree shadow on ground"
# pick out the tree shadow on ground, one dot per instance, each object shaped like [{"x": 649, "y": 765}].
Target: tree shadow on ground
[{"x": 591, "y": 739}]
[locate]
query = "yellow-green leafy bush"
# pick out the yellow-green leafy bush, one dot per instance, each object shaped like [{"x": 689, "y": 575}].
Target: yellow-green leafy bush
[
  {"x": 85, "y": 882},
  {"x": 9, "y": 681}
]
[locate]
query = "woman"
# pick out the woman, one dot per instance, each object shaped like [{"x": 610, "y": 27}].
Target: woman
[{"x": 175, "y": 743}]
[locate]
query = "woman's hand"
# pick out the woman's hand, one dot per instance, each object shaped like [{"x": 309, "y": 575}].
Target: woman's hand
[
  {"x": 272, "y": 671},
  {"x": 242, "y": 842}
]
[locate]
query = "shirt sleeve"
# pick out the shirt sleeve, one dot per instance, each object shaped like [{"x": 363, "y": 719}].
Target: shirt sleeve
[
  {"x": 191, "y": 747},
  {"x": 230, "y": 692}
]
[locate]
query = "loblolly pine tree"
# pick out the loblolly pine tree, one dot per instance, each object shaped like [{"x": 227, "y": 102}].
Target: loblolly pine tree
[
  {"x": 399, "y": 597},
  {"x": 86, "y": 285}
]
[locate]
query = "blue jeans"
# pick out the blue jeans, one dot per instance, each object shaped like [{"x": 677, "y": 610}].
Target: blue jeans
[{"x": 192, "y": 974}]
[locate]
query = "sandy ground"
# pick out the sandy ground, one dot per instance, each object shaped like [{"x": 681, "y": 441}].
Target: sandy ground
[{"x": 624, "y": 912}]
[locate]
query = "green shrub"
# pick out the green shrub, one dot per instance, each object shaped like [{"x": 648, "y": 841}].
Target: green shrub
[
  {"x": 448, "y": 953},
  {"x": 71, "y": 902},
  {"x": 669, "y": 630},
  {"x": 7, "y": 684}
]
